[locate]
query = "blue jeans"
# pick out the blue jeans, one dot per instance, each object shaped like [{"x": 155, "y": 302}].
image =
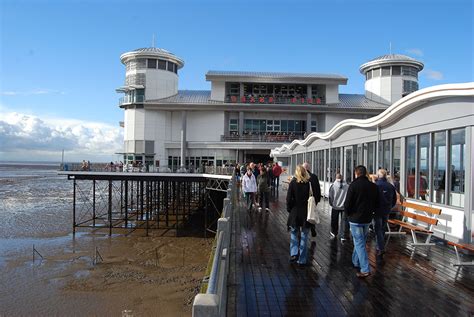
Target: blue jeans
[
  {"x": 359, "y": 255},
  {"x": 380, "y": 223},
  {"x": 302, "y": 245}
]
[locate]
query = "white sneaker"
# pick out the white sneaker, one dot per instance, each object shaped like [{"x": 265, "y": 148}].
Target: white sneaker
[
  {"x": 267, "y": 209},
  {"x": 332, "y": 235},
  {"x": 259, "y": 208}
]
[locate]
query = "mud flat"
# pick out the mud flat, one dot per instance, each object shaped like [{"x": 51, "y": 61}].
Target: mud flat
[{"x": 149, "y": 276}]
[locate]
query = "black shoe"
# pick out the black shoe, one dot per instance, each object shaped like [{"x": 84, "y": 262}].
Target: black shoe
[
  {"x": 313, "y": 232},
  {"x": 293, "y": 258},
  {"x": 302, "y": 265}
]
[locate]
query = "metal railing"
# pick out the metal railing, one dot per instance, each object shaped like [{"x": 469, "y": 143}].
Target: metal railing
[
  {"x": 213, "y": 302},
  {"x": 107, "y": 167},
  {"x": 131, "y": 99},
  {"x": 262, "y": 138}
]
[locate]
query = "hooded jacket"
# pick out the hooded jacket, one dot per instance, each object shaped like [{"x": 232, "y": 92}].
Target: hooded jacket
[{"x": 337, "y": 194}]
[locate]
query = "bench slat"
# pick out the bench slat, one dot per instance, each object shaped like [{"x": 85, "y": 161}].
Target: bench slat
[
  {"x": 408, "y": 226},
  {"x": 431, "y": 210},
  {"x": 464, "y": 246},
  {"x": 418, "y": 217}
]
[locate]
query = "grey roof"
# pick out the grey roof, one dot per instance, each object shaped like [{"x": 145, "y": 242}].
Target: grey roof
[
  {"x": 393, "y": 57},
  {"x": 189, "y": 96},
  {"x": 215, "y": 73},
  {"x": 152, "y": 50},
  {"x": 347, "y": 101},
  {"x": 390, "y": 59}
]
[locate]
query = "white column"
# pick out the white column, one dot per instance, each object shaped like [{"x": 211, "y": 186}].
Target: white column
[{"x": 183, "y": 138}]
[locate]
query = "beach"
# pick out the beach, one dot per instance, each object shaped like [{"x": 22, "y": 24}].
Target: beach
[{"x": 155, "y": 275}]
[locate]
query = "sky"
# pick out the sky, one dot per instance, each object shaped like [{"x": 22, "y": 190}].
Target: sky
[{"x": 60, "y": 60}]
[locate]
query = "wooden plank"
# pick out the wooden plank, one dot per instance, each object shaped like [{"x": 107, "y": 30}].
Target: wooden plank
[
  {"x": 419, "y": 217},
  {"x": 464, "y": 246},
  {"x": 431, "y": 210}
]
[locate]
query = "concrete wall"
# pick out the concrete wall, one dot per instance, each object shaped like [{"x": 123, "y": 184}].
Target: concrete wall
[
  {"x": 332, "y": 94},
  {"x": 218, "y": 90},
  {"x": 202, "y": 125},
  {"x": 160, "y": 84}
]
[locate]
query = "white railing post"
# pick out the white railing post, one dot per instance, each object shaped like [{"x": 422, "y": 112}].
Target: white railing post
[{"x": 206, "y": 305}]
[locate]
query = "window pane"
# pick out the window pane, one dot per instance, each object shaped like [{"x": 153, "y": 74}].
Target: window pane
[
  {"x": 410, "y": 169},
  {"x": 439, "y": 167},
  {"x": 161, "y": 64},
  {"x": 170, "y": 66},
  {"x": 369, "y": 74},
  {"x": 424, "y": 162},
  {"x": 151, "y": 63},
  {"x": 396, "y": 70},
  {"x": 371, "y": 158},
  {"x": 376, "y": 72},
  {"x": 457, "y": 170},
  {"x": 396, "y": 164},
  {"x": 386, "y": 71}
]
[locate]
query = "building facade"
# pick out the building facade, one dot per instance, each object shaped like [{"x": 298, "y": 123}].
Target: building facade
[
  {"x": 245, "y": 114},
  {"x": 424, "y": 141}
]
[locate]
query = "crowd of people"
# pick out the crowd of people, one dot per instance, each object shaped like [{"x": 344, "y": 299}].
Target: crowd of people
[
  {"x": 366, "y": 202},
  {"x": 258, "y": 182}
]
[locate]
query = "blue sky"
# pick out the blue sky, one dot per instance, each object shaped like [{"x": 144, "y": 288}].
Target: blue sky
[{"x": 59, "y": 60}]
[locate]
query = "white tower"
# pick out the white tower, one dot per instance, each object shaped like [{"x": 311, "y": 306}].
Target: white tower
[
  {"x": 388, "y": 78},
  {"x": 151, "y": 73}
]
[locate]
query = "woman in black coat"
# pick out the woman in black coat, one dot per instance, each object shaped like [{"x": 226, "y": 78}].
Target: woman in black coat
[{"x": 297, "y": 206}]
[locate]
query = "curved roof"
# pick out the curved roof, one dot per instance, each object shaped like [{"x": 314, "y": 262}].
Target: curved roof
[
  {"x": 390, "y": 59},
  {"x": 152, "y": 52},
  {"x": 393, "y": 112}
]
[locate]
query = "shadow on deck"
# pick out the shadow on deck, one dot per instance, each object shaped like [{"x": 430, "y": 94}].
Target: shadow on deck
[{"x": 262, "y": 282}]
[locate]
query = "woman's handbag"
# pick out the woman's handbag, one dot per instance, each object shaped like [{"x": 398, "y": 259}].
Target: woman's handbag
[{"x": 313, "y": 216}]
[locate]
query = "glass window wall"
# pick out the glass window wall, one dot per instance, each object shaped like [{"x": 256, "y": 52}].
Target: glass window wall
[{"x": 457, "y": 151}]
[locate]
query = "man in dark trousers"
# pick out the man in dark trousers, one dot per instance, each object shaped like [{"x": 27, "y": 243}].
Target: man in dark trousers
[
  {"x": 387, "y": 200},
  {"x": 361, "y": 202},
  {"x": 313, "y": 179}
]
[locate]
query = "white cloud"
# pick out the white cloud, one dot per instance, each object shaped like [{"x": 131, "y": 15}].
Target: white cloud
[
  {"x": 415, "y": 51},
  {"x": 37, "y": 91},
  {"x": 28, "y": 137},
  {"x": 433, "y": 74}
]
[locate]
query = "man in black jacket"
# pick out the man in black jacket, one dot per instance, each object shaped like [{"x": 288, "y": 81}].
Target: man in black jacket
[
  {"x": 313, "y": 179},
  {"x": 387, "y": 200},
  {"x": 361, "y": 202}
]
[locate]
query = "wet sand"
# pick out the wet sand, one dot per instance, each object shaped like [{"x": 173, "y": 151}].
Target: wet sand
[{"x": 150, "y": 276}]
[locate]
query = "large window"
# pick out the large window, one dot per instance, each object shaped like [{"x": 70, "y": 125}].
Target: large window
[
  {"x": 396, "y": 163},
  {"x": 409, "y": 86},
  {"x": 385, "y": 71},
  {"x": 409, "y": 71},
  {"x": 371, "y": 157},
  {"x": 457, "y": 170},
  {"x": 424, "y": 167},
  {"x": 313, "y": 126},
  {"x": 233, "y": 125},
  {"x": 439, "y": 167},
  {"x": 161, "y": 64},
  {"x": 151, "y": 63},
  {"x": 410, "y": 162}
]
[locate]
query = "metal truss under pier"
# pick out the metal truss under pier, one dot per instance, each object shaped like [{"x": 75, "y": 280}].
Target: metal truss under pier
[{"x": 147, "y": 201}]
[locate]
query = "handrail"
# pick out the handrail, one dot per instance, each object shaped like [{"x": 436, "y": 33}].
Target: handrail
[{"x": 214, "y": 302}]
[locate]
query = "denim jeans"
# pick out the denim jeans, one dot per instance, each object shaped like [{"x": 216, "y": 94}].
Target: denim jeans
[
  {"x": 302, "y": 245},
  {"x": 250, "y": 199},
  {"x": 380, "y": 223},
  {"x": 359, "y": 255}
]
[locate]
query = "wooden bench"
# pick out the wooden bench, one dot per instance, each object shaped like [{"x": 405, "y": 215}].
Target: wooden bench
[
  {"x": 464, "y": 246},
  {"x": 422, "y": 214}
]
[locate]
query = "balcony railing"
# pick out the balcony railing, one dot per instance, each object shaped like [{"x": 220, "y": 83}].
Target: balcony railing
[
  {"x": 276, "y": 99},
  {"x": 131, "y": 99},
  {"x": 278, "y": 138}
]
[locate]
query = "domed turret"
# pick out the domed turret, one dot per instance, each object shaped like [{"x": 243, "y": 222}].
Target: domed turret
[
  {"x": 151, "y": 73},
  {"x": 388, "y": 78}
]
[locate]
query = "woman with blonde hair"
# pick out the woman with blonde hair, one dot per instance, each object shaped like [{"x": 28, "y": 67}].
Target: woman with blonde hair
[{"x": 297, "y": 207}]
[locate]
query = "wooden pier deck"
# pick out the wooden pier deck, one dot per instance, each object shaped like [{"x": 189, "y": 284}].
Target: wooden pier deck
[{"x": 262, "y": 282}]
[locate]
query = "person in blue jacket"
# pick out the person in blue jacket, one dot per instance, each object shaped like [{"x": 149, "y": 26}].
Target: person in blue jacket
[{"x": 387, "y": 200}]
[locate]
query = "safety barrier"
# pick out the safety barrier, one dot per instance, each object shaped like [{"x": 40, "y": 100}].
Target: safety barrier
[{"x": 213, "y": 302}]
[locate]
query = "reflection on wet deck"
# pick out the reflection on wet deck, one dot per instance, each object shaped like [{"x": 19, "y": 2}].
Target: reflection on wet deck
[{"x": 262, "y": 282}]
